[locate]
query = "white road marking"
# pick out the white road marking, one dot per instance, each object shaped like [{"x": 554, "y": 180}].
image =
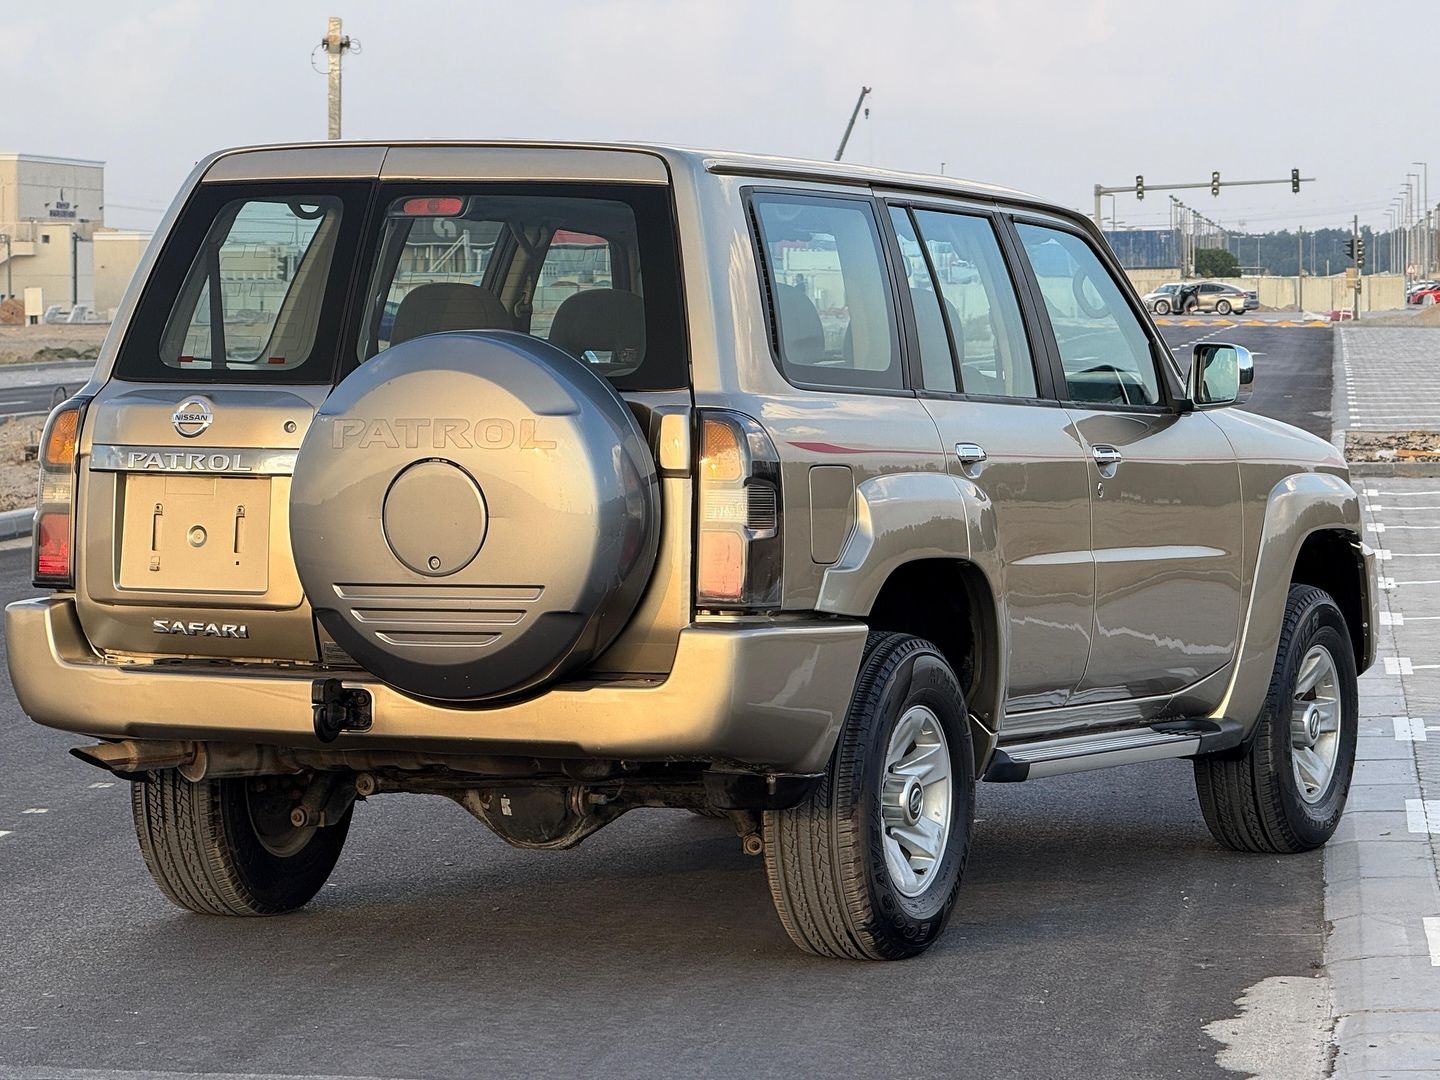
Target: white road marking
[
  {"x": 1409, "y": 729},
  {"x": 102, "y": 783},
  {"x": 1387, "y": 584},
  {"x": 37, "y": 810},
  {"x": 1432, "y": 935},
  {"x": 4, "y": 832},
  {"x": 1382, "y": 555},
  {"x": 1377, "y": 526},
  {"x": 1398, "y": 665},
  {"x": 1422, "y": 815},
  {"x": 1399, "y": 494},
  {"x": 1387, "y": 618}
]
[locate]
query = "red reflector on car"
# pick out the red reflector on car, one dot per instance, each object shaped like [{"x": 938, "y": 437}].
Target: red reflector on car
[
  {"x": 52, "y": 545},
  {"x": 276, "y": 360},
  {"x": 440, "y": 206}
]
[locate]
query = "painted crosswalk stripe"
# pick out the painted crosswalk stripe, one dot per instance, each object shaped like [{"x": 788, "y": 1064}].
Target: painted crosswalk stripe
[
  {"x": 1398, "y": 665},
  {"x": 1409, "y": 729},
  {"x": 1422, "y": 815},
  {"x": 1432, "y": 936}
]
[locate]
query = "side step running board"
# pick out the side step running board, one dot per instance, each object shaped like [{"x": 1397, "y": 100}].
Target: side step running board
[{"x": 1080, "y": 753}]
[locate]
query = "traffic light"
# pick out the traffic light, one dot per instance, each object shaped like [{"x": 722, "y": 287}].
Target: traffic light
[
  {"x": 1139, "y": 186},
  {"x": 1215, "y": 182},
  {"x": 1360, "y": 251},
  {"x": 1295, "y": 181},
  {"x": 1350, "y": 248}
]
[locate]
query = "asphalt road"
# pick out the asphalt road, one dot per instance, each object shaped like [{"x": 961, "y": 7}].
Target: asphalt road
[{"x": 1100, "y": 930}]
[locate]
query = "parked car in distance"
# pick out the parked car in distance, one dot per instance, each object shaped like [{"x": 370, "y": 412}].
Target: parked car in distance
[
  {"x": 1162, "y": 300},
  {"x": 1423, "y": 292},
  {"x": 659, "y": 487},
  {"x": 1219, "y": 298}
]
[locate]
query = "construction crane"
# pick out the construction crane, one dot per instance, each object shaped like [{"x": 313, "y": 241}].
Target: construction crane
[{"x": 845, "y": 139}]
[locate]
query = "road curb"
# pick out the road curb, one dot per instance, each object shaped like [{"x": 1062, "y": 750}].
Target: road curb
[{"x": 17, "y": 523}]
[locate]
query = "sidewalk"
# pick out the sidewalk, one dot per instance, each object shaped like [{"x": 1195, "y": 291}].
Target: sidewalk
[{"x": 1382, "y": 888}]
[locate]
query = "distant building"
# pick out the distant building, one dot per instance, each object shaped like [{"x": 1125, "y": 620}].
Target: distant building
[{"x": 52, "y": 218}]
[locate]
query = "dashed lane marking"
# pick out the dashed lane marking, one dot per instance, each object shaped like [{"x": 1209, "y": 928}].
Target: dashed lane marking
[
  {"x": 102, "y": 783},
  {"x": 1398, "y": 665},
  {"x": 37, "y": 810},
  {"x": 1410, "y": 729}
]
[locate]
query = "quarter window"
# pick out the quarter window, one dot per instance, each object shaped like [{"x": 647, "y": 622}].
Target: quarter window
[
  {"x": 825, "y": 269},
  {"x": 1103, "y": 348}
]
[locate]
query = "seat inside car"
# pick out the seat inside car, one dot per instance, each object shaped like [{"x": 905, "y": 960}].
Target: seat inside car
[
  {"x": 800, "y": 325},
  {"x": 609, "y": 324},
  {"x": 445, "y": 305}
]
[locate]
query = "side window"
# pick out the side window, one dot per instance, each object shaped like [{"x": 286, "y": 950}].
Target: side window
[
  {"x": 937, "y": 367},
  {"x": 252, "y": 297},
  {"x": 980, "y": 305},
  {"x": 825, "y": 267},
  {"x": 1103, "y": 348}
]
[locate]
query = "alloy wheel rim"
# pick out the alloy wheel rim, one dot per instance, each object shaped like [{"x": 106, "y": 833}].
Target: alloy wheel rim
[
  {"x": 916, "y": 790},
  {"x": 1315, "y": 711}
]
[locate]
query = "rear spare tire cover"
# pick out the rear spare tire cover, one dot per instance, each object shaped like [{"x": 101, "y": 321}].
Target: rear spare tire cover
[{"x": 474, "y": 514}]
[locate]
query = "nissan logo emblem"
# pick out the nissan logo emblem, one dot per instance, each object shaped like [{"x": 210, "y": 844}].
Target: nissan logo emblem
[{"x": 191, "y": 417}]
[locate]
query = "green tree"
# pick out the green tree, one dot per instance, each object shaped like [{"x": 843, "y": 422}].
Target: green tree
[{"x": 1216, "y": 263}]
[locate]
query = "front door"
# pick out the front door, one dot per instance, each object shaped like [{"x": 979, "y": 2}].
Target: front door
[
  {"x": 1005, "y": 434},
  {"x": 1164, "y": 487}
]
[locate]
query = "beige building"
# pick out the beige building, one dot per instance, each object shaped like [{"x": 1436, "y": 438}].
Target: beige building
[{"x": 53, "y": 235}]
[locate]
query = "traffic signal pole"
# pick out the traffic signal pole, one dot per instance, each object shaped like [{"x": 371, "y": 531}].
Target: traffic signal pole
[{"x": 1214, "y": 184}]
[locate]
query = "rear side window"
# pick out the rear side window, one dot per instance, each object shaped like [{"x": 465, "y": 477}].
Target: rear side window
[{"x": 834, "y": 317}]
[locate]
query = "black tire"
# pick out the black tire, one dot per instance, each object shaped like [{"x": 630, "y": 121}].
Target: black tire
[
  {"x": 204, "y": 850},
  {"x": 825, "y": 858},
  {"x": 1162, "y": 307},
  {"x": 1222, "y": 307},
  {"x": 1254, "y": 803}
]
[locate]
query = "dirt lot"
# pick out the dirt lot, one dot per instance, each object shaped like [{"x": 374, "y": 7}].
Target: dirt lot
[
  {"x": 35, "y": 344},
  {"x": 1392, "y": 445},
  {"x": 18, "y": 477}
]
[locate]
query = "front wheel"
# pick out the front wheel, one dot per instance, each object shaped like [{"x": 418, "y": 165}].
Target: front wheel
[
  {"x": 1286, "y": 794},
  {"x": 227, "y": 847},
  {"x": 1162, "y": 307},
  {"x": 868, "y": 867}
]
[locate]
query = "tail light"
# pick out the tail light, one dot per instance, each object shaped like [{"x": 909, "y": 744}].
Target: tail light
[
  {"x": 738, "y": 556},
  {"x": 55, "y": 506}
]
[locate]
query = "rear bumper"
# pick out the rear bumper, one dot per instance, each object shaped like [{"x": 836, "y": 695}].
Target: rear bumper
[{"x": 771, "y": 695}]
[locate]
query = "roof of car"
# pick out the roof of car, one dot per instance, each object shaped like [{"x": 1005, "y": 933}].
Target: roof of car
[{"x": 342, "y": 155}]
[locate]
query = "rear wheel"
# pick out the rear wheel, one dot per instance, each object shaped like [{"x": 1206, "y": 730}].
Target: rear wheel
[
  {"x": 227, "y": 847},
  {"x": 1287, "y": 793},
  {"x": 868, "y": 867},
  {"x": 1223, "y": 307}
]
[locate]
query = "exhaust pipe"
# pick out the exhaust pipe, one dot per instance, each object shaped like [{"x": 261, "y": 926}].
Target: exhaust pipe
[{"x": 129, "y": 759}]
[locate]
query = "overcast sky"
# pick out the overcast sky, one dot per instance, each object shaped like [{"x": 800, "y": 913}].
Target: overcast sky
[{"x": 1051, "y": 96}]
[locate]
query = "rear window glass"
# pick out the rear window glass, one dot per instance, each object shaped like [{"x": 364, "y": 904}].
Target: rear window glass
[
  {"x": 252, "y": 298},
  {"x": 593, "y": 270},
  {"x": 287, "y": 283}
]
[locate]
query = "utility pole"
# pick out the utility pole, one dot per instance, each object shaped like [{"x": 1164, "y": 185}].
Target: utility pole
[
  {"x": 845, "y": 139},
  {"x": 1358, "y": 248},
  {"x": 1300, "y": 272},
  {"x": 336, "y": 45}
]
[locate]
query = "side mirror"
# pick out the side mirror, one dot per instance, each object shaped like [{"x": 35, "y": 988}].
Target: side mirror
[{"x": 1220, "y": 375}]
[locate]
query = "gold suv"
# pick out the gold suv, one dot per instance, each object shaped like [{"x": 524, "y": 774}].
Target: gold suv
[{"x": 563, "y": 479}]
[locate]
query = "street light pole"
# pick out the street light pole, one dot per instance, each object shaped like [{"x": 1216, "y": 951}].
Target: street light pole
[
  {"x": 1428, "y": 246},
  {"x": 9, "y": 282}
]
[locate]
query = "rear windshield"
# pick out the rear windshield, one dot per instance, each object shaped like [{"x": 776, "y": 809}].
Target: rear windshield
[{"x": 301, "y": 282}]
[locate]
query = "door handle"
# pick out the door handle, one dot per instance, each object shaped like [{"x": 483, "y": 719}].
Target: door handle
[
  {"x": 1107, "y": 457},
  {"x": 970, "y": 453}
]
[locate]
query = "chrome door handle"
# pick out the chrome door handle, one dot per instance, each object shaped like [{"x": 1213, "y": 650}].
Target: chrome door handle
[
  {"x": 970, "y": 453},
  {"x": 1106, "y": 456}
]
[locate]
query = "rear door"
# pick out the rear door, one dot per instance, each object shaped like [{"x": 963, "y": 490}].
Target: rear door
[
  {"x": 184, "y": 497},
  {"x": 1005, "y": 433},
  {"x": 1164, "y": 485}
]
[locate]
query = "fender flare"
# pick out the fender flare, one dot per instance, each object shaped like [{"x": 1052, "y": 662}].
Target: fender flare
[{"x": 1297, "y": 507}]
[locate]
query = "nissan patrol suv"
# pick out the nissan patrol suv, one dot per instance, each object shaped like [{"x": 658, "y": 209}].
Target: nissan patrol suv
[{"x": 560, "y": 480}]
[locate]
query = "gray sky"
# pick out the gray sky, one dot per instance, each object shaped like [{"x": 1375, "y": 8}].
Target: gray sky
[{"x": 1046, "y": 95}]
